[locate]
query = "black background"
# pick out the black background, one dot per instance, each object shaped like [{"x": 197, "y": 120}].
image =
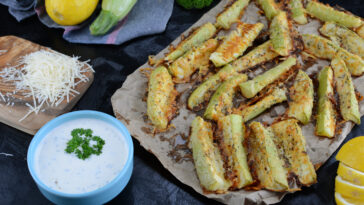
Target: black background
[{"x": 150, "y": 182}]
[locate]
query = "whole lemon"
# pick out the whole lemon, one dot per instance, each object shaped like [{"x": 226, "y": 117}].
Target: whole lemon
[{"x": 70, "y": 12}]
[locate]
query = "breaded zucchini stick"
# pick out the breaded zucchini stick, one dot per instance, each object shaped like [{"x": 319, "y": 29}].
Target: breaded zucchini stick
[
  {"x": 258, "y": 55},
  {"x": 264, "y": 158},
  {"x": 222, "y": 100},
  {"x": 280, "y": 34},
  {"x": 327, "y": 13},
  {"x": 261, "y": 54},
  {"x": 298, "y": 12},
  {"x": 360, "y": 31},
  {"x": 344, "y": 37},
  {"x": 301, "y": 95},
  {"x": 207, "y": 157},
  {"x": 269, "y": 7},
  {"x": 232, "y": 14},
  {"x": 249, "y": 112},
  {"x": 199, "y": 36},
  {"x": 161, "y": 98},
  {"x": 194, "y": 59},
  {"x": 326, "y": 49},
  {"x": 232, "y": 130},
  {"x": 288, "y": 135},
  {"x": 349, "y": 107},
  {"x": 325, "y": 122},
  {"x": 236, "y": 43},
  {"x": 250, "y": 88}
]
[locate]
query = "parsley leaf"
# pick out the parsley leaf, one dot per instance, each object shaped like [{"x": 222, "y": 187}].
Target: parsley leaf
[{"x": 80, "y": 143}]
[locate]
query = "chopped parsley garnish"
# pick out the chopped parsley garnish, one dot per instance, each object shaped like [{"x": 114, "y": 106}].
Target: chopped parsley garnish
[{"x": 80, "y": 143}]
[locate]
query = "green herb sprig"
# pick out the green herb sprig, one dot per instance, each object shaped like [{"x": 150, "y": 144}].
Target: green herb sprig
[{"x": 80, "y": 143}]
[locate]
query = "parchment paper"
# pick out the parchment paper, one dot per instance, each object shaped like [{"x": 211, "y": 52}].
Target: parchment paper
[{"x": 170, "y": 148}]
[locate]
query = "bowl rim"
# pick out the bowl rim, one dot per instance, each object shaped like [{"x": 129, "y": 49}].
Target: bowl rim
[{"x": 72, "y": 116}]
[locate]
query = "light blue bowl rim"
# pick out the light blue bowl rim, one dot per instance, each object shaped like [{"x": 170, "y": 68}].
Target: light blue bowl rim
[{"x": 72, "y": 116}]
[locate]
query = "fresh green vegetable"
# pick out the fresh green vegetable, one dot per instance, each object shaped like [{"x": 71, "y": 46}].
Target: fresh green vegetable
[
  {"x": 194, "y": 4},
  {"x": 80, "y": 143},
  {"x": 111, "y": 13}
]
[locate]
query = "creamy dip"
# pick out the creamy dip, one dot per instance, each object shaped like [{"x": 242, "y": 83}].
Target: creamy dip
[{"x": 66, "y": 172}]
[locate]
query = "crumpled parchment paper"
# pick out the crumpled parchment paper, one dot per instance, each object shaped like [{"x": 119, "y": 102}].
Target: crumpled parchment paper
[{"x": 170, "y": 147}]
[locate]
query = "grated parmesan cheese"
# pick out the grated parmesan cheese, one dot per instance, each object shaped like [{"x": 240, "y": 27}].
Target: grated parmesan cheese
[{"x": 47, "y": 77}]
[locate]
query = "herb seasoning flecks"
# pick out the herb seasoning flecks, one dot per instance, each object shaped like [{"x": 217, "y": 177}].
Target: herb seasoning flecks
[{"x": 80, "y": 143}]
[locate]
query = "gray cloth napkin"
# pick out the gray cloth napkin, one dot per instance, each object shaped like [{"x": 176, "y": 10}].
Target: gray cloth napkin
[{"x": 146, "y": 18}]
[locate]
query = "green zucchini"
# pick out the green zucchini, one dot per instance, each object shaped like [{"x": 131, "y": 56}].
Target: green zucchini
[
  {"x": 236, "y": 43},
  {"x": 349, "y": 107},
  {"x": 326, "y": 49},
  {"x": 249, "y": 112},
  {"x": 194, "y": 59},
  {"x": 161, "y": 98},
  {"x": 301, "y": 95},
  {"x": 327, "y": 13},
  {"x": 265, "y": 160},
  {"x": 325, "y": 122},
  {"x": 269, "y": 7},
  {"x": 199, "y": 36},
  {"x": 298, "y": 12},
  {"x": 233, "y": 131},
  {"x": 344, "y": 37},
  {"x": 280, "y": 34},
  {"x": 250, "y": 88},
  {"x": 288, "y": 135},
  {"x": 222, "y": 100},
  {"x": 231, "y": 14},
  {"x": 207, "y": 157}
]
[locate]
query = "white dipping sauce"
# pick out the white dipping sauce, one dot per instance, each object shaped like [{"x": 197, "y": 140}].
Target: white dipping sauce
[{"x": 66, "y": 172}]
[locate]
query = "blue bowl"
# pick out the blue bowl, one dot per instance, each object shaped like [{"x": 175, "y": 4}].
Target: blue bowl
[{"x": 98, "y": 196}]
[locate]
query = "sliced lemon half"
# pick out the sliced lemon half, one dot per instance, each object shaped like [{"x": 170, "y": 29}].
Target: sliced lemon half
[
  {"x": 348, "y": 189},
  {"x": 340, "y": 200},
  {"x": 352, "y": 153},
  {"x": 351, "y": 175}
]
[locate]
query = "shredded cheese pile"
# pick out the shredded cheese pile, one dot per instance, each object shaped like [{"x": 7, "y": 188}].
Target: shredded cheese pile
[{"x": 47, "y": 77}]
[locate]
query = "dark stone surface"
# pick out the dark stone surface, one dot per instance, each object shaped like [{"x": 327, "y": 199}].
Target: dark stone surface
[{"x": 150, "y": 182}]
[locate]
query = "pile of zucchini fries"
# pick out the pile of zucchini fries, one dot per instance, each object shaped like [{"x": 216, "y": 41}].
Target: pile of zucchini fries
[{"x": 229, "y": 155}]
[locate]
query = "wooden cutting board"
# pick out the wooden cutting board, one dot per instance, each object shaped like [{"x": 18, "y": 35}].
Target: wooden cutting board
[{"x": 14, "y": 108}]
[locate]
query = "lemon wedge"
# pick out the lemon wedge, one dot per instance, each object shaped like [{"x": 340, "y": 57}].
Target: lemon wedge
[
  {"x": 348, "y": 189},
  {"x": 351, "y": 175},
  {"x": 352, "y": 153},
  {"x": 340, "y": 200}
]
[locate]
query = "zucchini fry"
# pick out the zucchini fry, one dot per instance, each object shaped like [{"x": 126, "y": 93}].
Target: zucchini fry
[
  {"x": 344, "y": 37},
  {"x": 250, "y": 88},
  {"x": 258, "y": 55},
  {"x": 349, "y": 107},
  {"x": 222, "y": 100},
  {"x": 233, "y": 131},
  {"x": 327, "y": 13},
  {"x": 360, "y": 31},
  {"x": 288, "y": 135},
  {"x": 199, "y": 36},
  {"x": 325, "y": 122},
  {"x": 301, "y": 94},
  {"x": 269, "y": 7},
  {"x": 195, "y": 59},
  {"x": 161, "y": 98},
  {"x": 232, "y": 14},
  {"x": 326, "y": 49},
  {"x": 236, "y": 43},
  {"x": 251, "y": 111},
  {"x": 298, "y": 12},
  {"x": 207, "y": 158},
  {"x": 264, "y": 158},
  {"x": 280, "y": 34}
]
